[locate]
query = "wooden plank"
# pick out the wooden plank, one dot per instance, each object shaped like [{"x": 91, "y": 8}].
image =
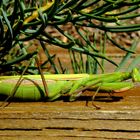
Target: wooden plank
[
  {"x": 35, "y": 124},
  {"x": 73, "y": 134},
  {"x": 127, "y": 109},
  {"x": 73, "y": 114},
  {"x": 47, "y": 138},
  {"x": 73, "y": 120}
]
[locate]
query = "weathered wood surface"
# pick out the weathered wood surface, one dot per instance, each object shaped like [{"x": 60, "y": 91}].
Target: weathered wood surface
[{"x": 73, "y": 120}]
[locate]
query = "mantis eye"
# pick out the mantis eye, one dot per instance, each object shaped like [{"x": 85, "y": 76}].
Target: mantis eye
[{"x": 135, "y": 75}]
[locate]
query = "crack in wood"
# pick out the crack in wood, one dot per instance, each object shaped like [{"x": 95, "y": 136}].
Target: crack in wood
[
  {"x": 118, "y": 130},
  {"x": 20, "y": 129}
]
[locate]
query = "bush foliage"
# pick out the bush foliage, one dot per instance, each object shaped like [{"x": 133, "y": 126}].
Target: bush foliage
[{"x": 27, "y": 20}]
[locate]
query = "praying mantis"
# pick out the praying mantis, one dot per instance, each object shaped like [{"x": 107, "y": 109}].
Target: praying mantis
[{"x": 30, "y": 87}]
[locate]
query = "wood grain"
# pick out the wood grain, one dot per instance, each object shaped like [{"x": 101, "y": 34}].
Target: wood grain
[{"x": 73, "y": 120}]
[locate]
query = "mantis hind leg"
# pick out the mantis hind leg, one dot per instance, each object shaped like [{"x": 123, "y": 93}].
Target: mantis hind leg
[
  {"x": 93, "y": 98},
  {"x": 111, "y": 88}
]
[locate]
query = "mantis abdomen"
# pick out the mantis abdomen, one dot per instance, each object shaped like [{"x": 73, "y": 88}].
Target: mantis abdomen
[{"x": 33, "y": 90}]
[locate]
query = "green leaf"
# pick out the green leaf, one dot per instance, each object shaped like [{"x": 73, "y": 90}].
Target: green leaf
[{"x": 7, "y": 22}]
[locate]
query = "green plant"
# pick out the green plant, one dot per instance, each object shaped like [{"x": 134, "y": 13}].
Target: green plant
[{"x": 23, "y": 21}]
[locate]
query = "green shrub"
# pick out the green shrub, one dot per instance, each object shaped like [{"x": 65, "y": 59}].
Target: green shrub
[{"x": 23, "y": 21}]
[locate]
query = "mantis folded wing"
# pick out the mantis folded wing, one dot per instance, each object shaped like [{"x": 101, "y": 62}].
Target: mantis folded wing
[{"x": 31, "y": 87}]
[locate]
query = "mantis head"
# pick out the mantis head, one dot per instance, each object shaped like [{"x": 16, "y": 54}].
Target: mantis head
[{"x": 135, "y": 75}]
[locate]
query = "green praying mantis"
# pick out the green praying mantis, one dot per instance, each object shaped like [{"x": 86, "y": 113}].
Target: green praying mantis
[{"x": 30, "y": 87}]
